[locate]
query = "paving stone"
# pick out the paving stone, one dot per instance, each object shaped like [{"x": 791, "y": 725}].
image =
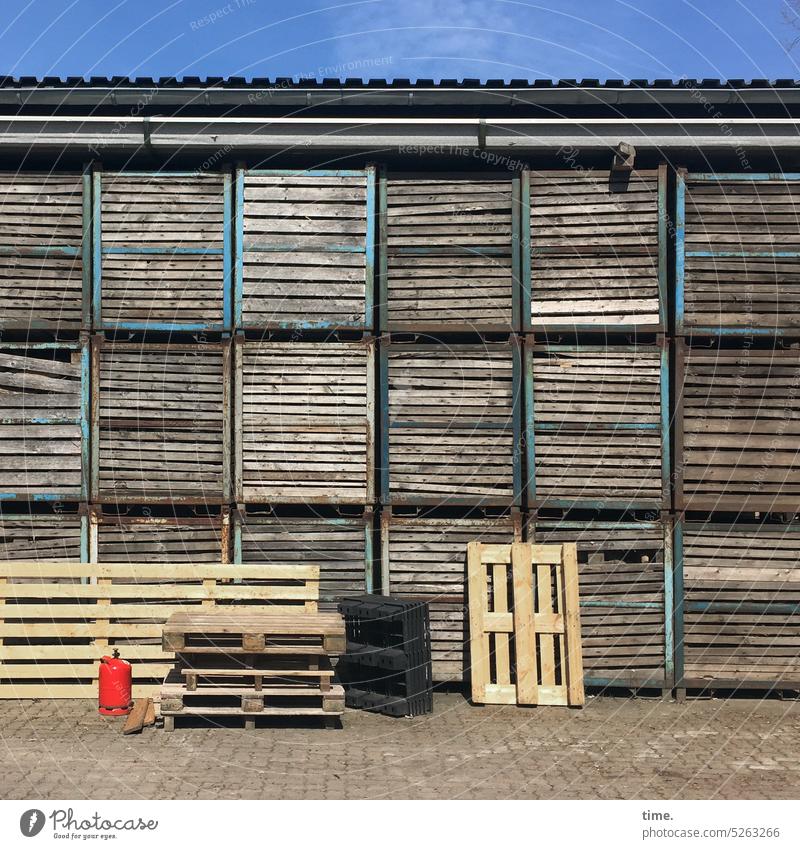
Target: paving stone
[{"x": 613, "y": 748}]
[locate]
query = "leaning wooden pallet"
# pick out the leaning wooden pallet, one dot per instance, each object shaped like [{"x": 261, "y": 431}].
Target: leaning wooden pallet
[
  {"x": 525, "y": 638},
  {"x": 266, "y": 664}
]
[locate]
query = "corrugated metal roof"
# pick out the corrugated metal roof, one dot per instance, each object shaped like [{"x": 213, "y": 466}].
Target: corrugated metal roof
[{"x": 357, "y": 83}]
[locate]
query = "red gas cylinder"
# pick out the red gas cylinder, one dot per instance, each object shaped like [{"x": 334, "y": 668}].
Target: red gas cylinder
[{"x": 115, "y": 686}]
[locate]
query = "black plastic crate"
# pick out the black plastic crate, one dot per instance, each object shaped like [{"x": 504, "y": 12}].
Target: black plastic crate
[{"x": 387, "y": 666}]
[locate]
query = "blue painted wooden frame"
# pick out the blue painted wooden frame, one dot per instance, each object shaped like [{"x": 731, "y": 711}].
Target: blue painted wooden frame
[
  {"x": 526, "y": 270},
  {"x": 368, "y": 248},
  {"x": 82, "y": 419},
  {"x": 222, "y": 326}
]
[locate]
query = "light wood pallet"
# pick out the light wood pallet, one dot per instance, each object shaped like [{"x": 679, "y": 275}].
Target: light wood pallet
[{"x": 525, "y": 624}]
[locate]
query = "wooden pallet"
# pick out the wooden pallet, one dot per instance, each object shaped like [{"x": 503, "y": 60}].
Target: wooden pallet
[
  {"x": 525, "y": 624},
  {"x": 58, "y": 619},
  {"x": 299, "y": 699},
  {"x": 742, "y": 596},
  {"x": 256, "y": 670},
  {"x": 738, "y": 428},
  {"x": 242, "y": 632},
  {"x": 756, "y": 216}
]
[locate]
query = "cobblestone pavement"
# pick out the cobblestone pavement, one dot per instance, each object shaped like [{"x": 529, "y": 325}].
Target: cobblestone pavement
[{"x": 613, "y": 748}]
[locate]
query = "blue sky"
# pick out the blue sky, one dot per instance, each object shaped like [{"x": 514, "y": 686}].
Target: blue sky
[{"x": 400, "y": 38}]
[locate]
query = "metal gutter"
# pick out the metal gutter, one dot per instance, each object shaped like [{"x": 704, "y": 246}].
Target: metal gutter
[{"x": 428, "y": 136}]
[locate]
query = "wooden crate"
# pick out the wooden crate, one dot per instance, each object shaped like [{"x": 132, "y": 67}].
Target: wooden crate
[
  {"x": 594, "y": 254},
  {"x": 305, "y": 417},
  {"x": 733, "y": 268},
  {"x": 305, "y": 252},
  {"x": 43, "y": 255},
  {"x": 44, "y": 422},
  {"x": 737, "y": 422},
  {"x": 160, "y": 539},
  {"x": 424, "y": 559},
  {"x": 342, "y": 546},
  {"x": 741, "y": 620},
  {"x": 46, "y": 536},
  {"x": 625, "y": 566},
  {"x": 451, "y": 259},
  {"x": 57, "y": 619},
  {"x": 450, "y": 424},
  {"x": 162, "y": 261},
  {"x": 160, "y": 422},
  {"x": 597, "y": 429}
]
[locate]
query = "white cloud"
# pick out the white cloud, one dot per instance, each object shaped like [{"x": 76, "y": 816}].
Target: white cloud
[{"x": 441, "y": 37}]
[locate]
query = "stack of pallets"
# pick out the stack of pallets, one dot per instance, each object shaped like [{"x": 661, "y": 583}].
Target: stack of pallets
[
  {"x": 387, "y": 667},
  {"x": 252, "y": 665}
]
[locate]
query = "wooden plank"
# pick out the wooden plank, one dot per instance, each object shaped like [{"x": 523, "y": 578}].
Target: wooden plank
[
  {"x": 527, "y": 691},
  {"x": 136, "y": 718},
  {"x": 144, "y": 571},
  {"x": 571, "y": 612},
  {"x": 479, "y": 639}
]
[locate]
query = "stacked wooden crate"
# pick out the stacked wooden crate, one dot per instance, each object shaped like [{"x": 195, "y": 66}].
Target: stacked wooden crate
[
  {"x": 304, "y": 372},
  {"x": 450, "y": 388},
  {"x": 596, "y": 431},
  {"x": 737, "y": 481}
]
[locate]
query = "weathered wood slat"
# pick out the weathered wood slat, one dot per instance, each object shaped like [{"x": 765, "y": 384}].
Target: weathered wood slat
[
  {"x": 161, "y": 422},
  {"x": 451, "y": 423},
  {"x": 596, "y": 424},
  {"x": 313, "y": 281},
  {"x": 38, "y": 387},
  {"x": 442, "y": 288},
  {"x": 338, "y": 546},
  {"x": 594, "y": 244},
  {"x": 306, "y": 422},
  {"x": 739, "y": 414}
]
